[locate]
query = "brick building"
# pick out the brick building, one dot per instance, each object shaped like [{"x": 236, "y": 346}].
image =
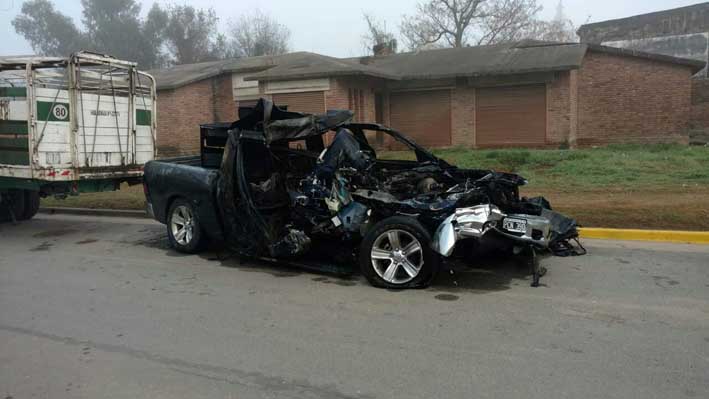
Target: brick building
[
  {"x": 527, "y": 94},
  {"x": 680, "y": 32}
]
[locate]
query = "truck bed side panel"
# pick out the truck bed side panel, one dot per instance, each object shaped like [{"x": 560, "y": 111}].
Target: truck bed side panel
[{"x": 168, "y": 181}]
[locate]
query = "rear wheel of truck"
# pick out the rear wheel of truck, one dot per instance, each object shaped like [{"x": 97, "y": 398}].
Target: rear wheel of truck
[
  {"x": 12, "y": 204},
  {"x": 183, "y": 228},
  {"x": 31, "y": 204},
  {"x": 396, "y": 253}
]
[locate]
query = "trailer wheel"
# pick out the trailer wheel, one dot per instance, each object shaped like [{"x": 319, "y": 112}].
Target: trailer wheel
[
  {"x": 396, "y": 253},
  {"x": 31, "y": 204},
  {"x": 12, "y": 204},
  {"x": 183, "y": 227}
]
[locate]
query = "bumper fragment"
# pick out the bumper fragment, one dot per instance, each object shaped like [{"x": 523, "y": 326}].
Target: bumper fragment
[{"x": 549, "y": 231}]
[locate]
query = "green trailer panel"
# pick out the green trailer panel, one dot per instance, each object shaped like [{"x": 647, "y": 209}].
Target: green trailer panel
[{"x": 13, "y": 127}]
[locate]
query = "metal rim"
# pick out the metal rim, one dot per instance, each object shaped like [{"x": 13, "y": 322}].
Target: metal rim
[
  {"x": 397, "y": 256},
  {"x": 182, "y": 224}
]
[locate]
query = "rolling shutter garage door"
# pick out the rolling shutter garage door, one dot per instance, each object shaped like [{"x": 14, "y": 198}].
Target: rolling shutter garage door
[
  {"x": 312, "y": 102},
  {"x": 510, "y": 116},
  {"x": 424, "y": 116}
]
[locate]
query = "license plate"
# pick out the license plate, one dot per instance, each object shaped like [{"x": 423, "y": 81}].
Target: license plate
[{"x": 515, "y": 225}]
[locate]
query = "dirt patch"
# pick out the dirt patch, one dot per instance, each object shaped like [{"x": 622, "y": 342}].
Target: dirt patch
[
  {"x": 683, "y": 208},
  {"x": 87, "y": 241},
  {"x": 128, "y": 197}
]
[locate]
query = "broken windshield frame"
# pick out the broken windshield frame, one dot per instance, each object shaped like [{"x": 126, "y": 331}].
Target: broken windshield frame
[{"x": 422, "y": 154}]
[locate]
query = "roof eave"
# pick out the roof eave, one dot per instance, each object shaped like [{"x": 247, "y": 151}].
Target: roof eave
[
  {"x": 211, "y": 74},
  {"x": 315, "y": 75},
  {"x": 562, "y": 68},
  {"x": 696, "y": 65},
  {"x": 186, "y": 82},
  {"x": 253, "y": 69}
]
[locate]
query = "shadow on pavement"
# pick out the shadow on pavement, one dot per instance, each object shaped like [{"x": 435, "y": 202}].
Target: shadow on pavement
[{"x": 489, "y": 272}]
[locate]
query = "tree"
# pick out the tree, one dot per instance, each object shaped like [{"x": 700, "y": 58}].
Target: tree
[
  {"x": 460, "y": 23},
  {"x": 153, "y": 35},
  {"x": 115, "y": 27},
  {"x": 180, "y": 34},
  {"x": 48, "y": 31},
  {"x": 191, "y": 35},
  {"x": 258, "y": 34},
  {"x": 559, "y": 29},
  {"x": 377, "y": 35},
  {"x": 111, "y": 26}
]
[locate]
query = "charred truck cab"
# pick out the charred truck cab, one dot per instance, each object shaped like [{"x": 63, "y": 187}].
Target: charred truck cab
[{"x": 279, "y": 194}]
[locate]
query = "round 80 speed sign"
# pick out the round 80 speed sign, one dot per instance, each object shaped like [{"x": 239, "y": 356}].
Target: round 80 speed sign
[{"x": 60, "y": 112}]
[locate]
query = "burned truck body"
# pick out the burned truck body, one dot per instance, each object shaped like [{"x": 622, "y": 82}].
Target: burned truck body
[{"x": 340, "y": 206}]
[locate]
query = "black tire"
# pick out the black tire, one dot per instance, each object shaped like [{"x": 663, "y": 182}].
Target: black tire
[
  {"x": 12, "y": 200},
  {"x": 31, "y": 204},
  {"x": 425, "y": 261},
  {"x": 193, "y": 240}
]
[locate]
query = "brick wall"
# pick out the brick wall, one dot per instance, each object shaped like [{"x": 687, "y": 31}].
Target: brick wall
[
  {"x": 345, "y": 92},
  {"x": 560, "y": 112},
  {"x": 338, "y": 97},
  {"x": 611, "y": 99},
  {"x": 574, "y": 109},
  {"x": 700, "y": 104},
  {"x": 463, "y": 116},
  {"x": 182, "y": 110},
  {"x": 224, "y": 104},
  {"x": 624, "y": 99}
]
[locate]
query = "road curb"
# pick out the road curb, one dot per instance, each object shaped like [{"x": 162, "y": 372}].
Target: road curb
[
  {"x": 127, "y": 213},
  {"x": 687, "y": 237}
]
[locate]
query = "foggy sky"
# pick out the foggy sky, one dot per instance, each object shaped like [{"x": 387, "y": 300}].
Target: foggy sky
[{"x": 333, "y": 27}]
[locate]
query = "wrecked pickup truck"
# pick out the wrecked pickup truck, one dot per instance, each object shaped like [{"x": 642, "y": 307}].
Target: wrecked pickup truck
[{"x": 280, "y": 195}]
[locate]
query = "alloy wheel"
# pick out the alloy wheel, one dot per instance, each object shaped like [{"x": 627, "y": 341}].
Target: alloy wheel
[
  {"x": 182, "y": 224},
  {"x": 397, "y": 256}
]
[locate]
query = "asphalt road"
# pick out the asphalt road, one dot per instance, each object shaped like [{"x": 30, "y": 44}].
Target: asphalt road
[{"x": 101, "y": 308}]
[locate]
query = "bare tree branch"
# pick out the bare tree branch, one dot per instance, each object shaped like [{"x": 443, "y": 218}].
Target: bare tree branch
[
  {"x": 377, "y": 34},
  {"x": 559, "y": 29},
  {"x": 191, "y": 35},
  {"x": 459, "y": 23},
  {"x": 258, "y": 34}
]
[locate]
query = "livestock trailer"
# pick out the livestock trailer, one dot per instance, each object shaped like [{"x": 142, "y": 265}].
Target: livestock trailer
[{"x": 85, "y": 123}]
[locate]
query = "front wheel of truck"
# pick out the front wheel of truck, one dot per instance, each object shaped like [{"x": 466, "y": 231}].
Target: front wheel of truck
[
  {"x": 183, "y": 227},
  {"x": 396, "y": 253}
]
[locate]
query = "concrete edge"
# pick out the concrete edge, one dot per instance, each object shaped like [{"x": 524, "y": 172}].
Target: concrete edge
[
  {"x": 128, "y": 213},
  {"x": 686, "y": 237}
]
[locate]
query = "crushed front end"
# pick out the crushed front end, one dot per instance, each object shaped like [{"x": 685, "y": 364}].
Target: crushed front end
[{"x": 469, "y": 207}]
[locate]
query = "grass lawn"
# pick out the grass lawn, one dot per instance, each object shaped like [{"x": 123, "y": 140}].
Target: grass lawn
[
  {"x": 629, "y": 186},
  {"x": 128, "y": 197}
]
